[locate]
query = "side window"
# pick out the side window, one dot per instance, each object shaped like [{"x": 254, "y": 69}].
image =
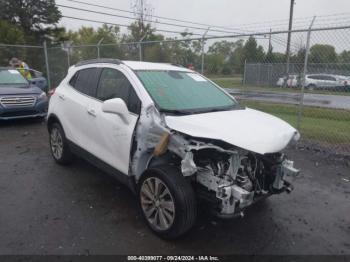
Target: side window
[
  {"x": 114, "y": 84},
  {"x": 331, "y": 78},
  {"x": 134, "y": 103},
  {"x": 86, "y": 81},
  {"x": 73, "y": 80}
]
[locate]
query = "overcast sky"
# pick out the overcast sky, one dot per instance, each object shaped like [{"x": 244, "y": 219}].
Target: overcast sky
[
  {"x": 239, "y": 14},
  {"x": 216, "y": 12}
]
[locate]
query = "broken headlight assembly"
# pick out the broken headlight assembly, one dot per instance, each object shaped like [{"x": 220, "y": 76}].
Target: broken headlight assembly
[{"x": 231, "y": 180}]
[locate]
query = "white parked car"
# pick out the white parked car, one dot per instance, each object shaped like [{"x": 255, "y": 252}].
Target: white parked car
[
  {"x": 292, "y": 81},
  {"x": 172, "y": 136},
  {"x": 326, "y": 81}
]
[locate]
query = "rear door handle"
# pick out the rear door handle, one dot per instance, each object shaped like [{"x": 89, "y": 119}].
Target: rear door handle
[
  {"x": 91, "y": 112},
  {"x": 62, "y": 97}
]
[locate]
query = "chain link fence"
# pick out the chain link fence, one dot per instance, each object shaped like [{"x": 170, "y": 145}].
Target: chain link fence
[{"x": 311, "y": 92}]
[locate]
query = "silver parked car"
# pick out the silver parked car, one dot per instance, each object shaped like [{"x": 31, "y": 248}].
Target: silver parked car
[{"x": 327, "y": 81}]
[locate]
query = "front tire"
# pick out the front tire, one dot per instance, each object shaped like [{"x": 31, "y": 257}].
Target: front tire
[
  {"x": 167, "y": 201},
  {"x": 59, "y": 145}
]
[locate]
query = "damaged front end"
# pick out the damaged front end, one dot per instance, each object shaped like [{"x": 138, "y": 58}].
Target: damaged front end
[
  {"x": 226, "y": 177},
  {"x": 231, "y": 180}
]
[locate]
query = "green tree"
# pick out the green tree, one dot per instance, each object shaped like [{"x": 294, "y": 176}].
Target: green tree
[
  {"x": 90, "y": 36},
  {"x": 279, "y": 57},
  {"x": 270, "y": 55},
  {"x": 224, "y": 47},
  {"x": 252, "y": 52},
  {"x": 225, "y": 57},
  {"x": 10, "y": 34},
  {"x": 320, "y": 53},
  {"x": 84, "y": 43},
  {"x": 237, "y": 58},
  {"x": 299, "y": 57},
  {"x": 215, "y": 63},
  {"x": 37, "y": 18},
  {"x": 344, "y": 57}
]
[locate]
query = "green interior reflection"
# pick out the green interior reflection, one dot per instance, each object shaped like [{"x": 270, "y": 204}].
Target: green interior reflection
[{"x": 185, "y": 91}]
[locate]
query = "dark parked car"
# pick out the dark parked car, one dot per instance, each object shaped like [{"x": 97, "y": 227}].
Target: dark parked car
[
  {"x": 38, "y": 80},
  {"x": 20, "y": 98}
]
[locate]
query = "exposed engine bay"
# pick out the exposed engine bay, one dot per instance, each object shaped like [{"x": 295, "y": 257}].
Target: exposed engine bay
[
  {"x": 233, "y": 179},
  {"x": 227, "y": 177}
]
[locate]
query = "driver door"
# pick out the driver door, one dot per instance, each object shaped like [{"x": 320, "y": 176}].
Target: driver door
[{"x": 114, "y": 136}]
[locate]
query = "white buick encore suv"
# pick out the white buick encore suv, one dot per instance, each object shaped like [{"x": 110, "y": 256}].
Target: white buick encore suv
[{"x": 172, "y": 136}]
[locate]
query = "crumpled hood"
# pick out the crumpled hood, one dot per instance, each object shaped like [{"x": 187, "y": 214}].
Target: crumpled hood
[{"x": 247, "y": 128}]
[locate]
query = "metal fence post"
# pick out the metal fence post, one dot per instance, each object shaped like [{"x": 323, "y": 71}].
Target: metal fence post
[
  {"x": 269, "y": 73},
  {"x": 202, "y": 64},
  {"x": 245, "y": 71},
  {"x": 47, "y": 66},
  {"x": 68, "y": 56},
  {"x": 203, "y": 51},
  {"x": 140, "y": 46},
  {"x": 98, "y": 47},
  {"x": 140, "y": 51},
  {"x": 307, "y": 50}
]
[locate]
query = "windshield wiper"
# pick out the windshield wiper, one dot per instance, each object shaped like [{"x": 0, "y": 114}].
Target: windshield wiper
[
  {"x": 176, "y": 111},
  {"x": 218, "y": 109}
]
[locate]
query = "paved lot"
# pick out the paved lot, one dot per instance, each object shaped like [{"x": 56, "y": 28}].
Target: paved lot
[{"x": 49, "y": 209}]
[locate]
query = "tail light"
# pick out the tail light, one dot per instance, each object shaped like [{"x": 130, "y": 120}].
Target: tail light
[{"x": 51, "y": 92}]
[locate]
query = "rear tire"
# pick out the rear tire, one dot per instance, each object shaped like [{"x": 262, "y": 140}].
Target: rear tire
[
  {"x": 59, "y": 145},
  {"x": 167, "y": 201},
  {"x": 311, "y": 87}
]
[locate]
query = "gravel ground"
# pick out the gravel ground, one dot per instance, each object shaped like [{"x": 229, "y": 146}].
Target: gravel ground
[{"x": 49, "y": 209}]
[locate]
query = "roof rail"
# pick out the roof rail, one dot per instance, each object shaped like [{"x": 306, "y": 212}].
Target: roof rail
[
  {"x": 178, "y": 65},
  {"x": 102, "y": 60}
]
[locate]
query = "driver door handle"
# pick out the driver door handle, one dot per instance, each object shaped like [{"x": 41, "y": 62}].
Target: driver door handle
[{"x": 91, "y": 112}]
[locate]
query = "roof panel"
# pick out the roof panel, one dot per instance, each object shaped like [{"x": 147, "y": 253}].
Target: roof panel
[{"x": 136, "y": 65}]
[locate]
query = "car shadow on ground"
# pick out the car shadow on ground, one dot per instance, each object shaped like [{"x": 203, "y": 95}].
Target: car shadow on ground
[
  {"x": 78, "y": 209},
  {"x": 208, "y": 232},
  {"x": 21, "y": 122}
]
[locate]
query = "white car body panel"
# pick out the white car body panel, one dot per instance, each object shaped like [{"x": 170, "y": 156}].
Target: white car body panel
[
  {"x": 127, "y": 144},
  {"x": 111, "y": 137},
  {"x": 72, "y": 107},
  {"x": 247, "y": 128}
]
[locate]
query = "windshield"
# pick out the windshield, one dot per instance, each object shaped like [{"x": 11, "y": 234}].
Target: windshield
[
  {"x": 11, "y": 77},
  {"x": 184, "y": 92}
]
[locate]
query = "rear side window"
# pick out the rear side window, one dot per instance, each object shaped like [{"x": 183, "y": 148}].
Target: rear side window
[
  {"x": 74, "y": 79},
  {"x": 329, "y": 78},
  {"x": 114, "y": 84},
  {"x": 315, "y": 77},
  {"x": 86, "y": 80}
]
